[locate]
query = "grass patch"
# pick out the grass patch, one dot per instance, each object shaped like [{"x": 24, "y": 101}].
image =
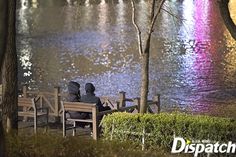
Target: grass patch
[{"x": 51, "y": 145}]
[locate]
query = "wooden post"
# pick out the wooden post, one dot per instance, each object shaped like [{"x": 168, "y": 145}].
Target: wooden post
[
  {"x": 158, "y": 102},
  {"x": 35, "y": 120},
  {"x": 143, "y": 139},
  {"x": 41, "y": 101},
  {"x": 117, "y": 105},
  {"x": 25, "y": 89},
  {"x": 95, "y": 122},
  {"x": 121, "y": 99},
  {"x": 137, "y": 102},
  {"x": 112, "y": 130},
  {"x": 57, "y": 103},
  {"x": 74, "y": 128},
  {"x": 63, "y": 120}
]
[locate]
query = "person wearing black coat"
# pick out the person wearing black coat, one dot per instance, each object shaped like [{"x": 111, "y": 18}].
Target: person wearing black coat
[
  {"x": 90, "y": 97},
  {"x": 74, "y": 96}
]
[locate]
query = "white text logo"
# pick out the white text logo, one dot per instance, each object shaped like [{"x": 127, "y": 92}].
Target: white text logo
[{"x": 187, "y": 146}]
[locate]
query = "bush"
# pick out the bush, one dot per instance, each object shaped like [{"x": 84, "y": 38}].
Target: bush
[
  {"x": 51, "y": 145},
  {"x": 161, "y": 128}
]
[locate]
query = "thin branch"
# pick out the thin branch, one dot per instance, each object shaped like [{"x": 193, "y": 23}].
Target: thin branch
[
  {"x": 173, "y": 15},
  {"x": 153, "y": 9},
  {"x": 155, "y": 17},
  {"x": 137, "y": 28}
]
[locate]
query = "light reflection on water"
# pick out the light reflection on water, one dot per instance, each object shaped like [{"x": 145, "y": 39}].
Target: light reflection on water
[{"x": 192, "y": 60}]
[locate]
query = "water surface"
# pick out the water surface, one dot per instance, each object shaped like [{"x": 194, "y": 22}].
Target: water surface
[{"x": 192, "y": 62}]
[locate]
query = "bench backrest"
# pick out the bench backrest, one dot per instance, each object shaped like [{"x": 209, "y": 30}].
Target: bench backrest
[
  {"x": 26, "y": 102},
  {"x": 78, "y": 106}
]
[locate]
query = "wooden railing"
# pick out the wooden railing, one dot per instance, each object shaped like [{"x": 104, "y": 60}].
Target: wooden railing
[
  {"x": 154, "y": 106},
  {"x": 48, "y": 99},
  {"x": 53, "y": 99}
]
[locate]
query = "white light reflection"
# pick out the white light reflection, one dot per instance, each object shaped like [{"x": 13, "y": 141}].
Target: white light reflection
[
  {"x": 142, "y": 16},
  {"x": 103, "y": 16},
  {"x": 87, "y": 3},
  {"x": 121, "y": 19},
  {"x": 35, "y": 3},
  {"x": 88, "y": 17},
  {"x": 187, "y": 27},
  {"x": 25, "y": 57},
  {"x": 69, "y": 12},
  {"x": 103, "y": 2},
  {"x": 24, "y": 4},
  {"x": 103, "y": 26}
]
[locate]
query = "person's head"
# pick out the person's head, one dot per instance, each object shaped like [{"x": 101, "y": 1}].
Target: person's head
[
  {"x": 74, "y": 88},
  {"x": 89, "y": 88}
]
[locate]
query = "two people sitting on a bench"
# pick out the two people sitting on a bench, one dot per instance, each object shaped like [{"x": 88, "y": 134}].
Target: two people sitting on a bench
[{"x": 89, "y": 97}]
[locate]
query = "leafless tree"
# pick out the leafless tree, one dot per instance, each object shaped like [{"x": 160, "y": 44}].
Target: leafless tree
[{"x": 144, "y": 47}]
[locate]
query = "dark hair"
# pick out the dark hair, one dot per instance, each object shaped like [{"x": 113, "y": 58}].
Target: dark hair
[
  {"x": 73, "y": 87},
  {"x": 89, "y": 88}
]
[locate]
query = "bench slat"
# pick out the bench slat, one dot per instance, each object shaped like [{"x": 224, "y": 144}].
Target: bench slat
[
  {"x": 78, "y": 106},
  {"x": 78, "y": 109},
  {"x": 81, "y": 104},
  {"x": 25, "y": 102},
  {"x": 30, "y": 114},
  {"x": 80, "y": 120},
  {"x": 25, "y": 105}
]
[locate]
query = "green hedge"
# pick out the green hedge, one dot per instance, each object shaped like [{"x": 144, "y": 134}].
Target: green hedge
[{"x": 162, "y": 127}]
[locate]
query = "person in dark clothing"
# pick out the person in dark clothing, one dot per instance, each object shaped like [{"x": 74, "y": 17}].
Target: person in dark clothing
[
  {"x": 91, "y": 98},
  {"x": 74, "y": 91},
  {"x": 74, "y": 96}
]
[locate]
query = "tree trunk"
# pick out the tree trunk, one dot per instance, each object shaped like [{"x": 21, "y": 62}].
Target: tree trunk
[
  {"x": 145, "y": 65},
  {"x": 145, "y": 77},
  {"x": 9, "y": 74},
  {"x": 224, "y": 10},
  {"x": 2, "y": 141},
  {"x": 145, "y": 54},
  {"x": 3, "y": 29}
]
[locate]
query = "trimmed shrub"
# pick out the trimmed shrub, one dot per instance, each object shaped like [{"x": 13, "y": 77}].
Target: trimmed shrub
[{"x": 161, "y": 128}]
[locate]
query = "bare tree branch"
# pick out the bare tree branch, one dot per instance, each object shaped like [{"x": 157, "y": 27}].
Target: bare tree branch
[
  {"x": 171, "y": 14},
  {"x": 155, "y": 17},
  {"x": 137, "y": 28},
  {"x": 229, "y": 23},
  {"x": 153, "y": 9}
]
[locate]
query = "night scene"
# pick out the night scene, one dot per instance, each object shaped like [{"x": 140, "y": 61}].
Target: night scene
[{"x": 117, "y": 78}]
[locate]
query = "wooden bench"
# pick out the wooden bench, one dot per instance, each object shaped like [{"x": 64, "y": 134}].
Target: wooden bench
[
  {"x": 27, "y": 108},
  {"x": 85, "y": 107}
]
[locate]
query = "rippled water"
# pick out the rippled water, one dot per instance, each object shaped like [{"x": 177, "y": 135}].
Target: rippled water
[{"x": 192, "y": 63}]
